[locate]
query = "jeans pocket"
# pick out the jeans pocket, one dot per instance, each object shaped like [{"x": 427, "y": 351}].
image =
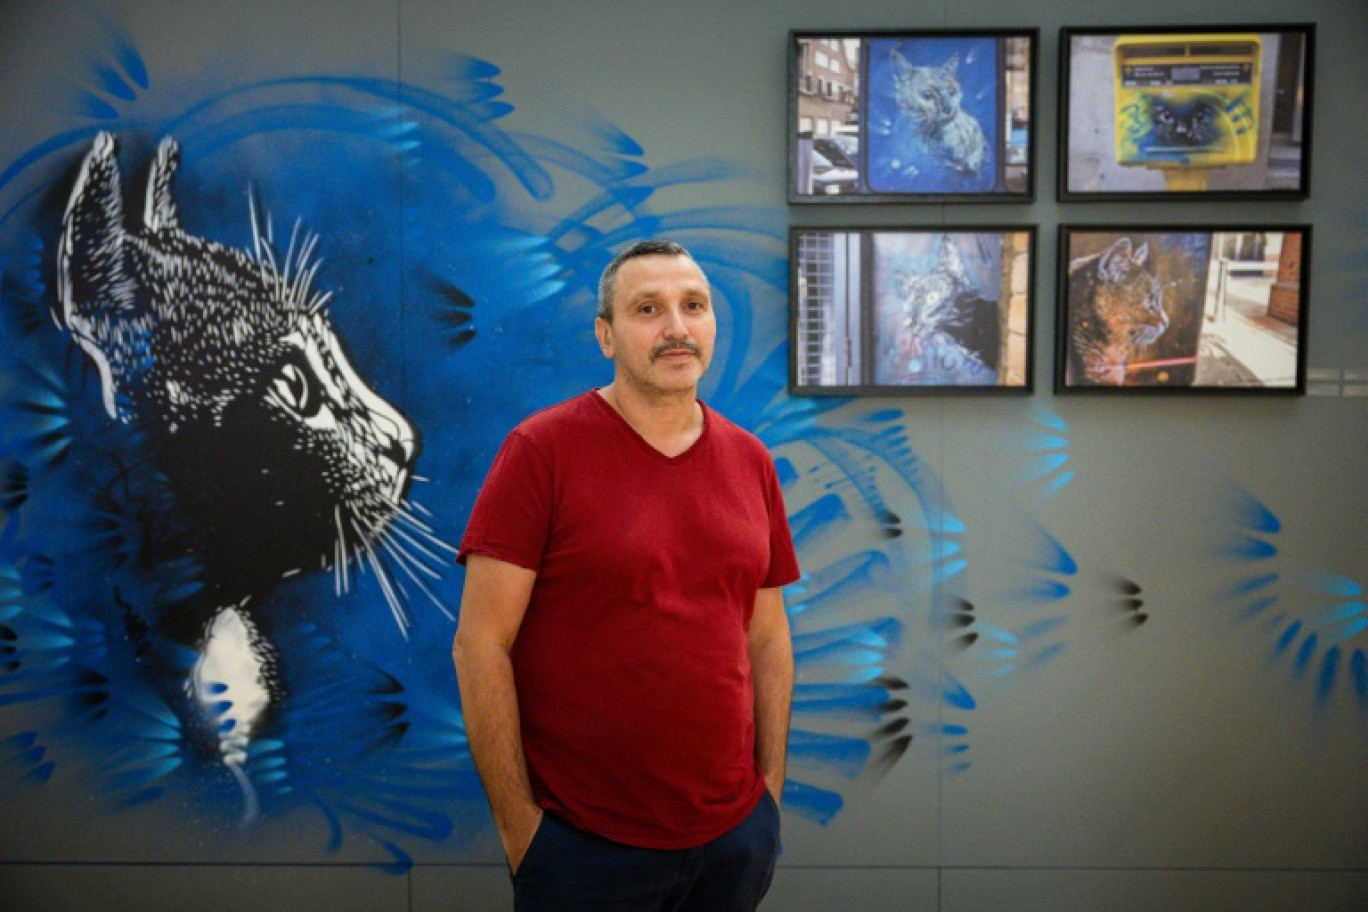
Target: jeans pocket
[{"x": 534, "y": 848}]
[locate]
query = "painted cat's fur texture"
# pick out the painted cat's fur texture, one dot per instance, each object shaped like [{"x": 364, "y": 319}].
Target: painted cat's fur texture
[
  {"x": 930, "y": 96},
  {"x": 1117, "y": 309},
  {"x": 944, "y": 300}
]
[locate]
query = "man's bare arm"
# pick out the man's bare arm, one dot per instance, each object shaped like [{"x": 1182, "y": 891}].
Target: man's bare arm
[
  {"x": 492, "y": 608},
  {"x": 771, "y": 657}
]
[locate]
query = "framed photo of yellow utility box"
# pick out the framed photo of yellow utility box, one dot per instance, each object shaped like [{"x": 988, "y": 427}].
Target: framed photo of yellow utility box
[{"x": 1200, "y": 112}]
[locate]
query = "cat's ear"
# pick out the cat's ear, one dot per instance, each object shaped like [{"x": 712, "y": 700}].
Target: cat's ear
[
  {"x": 951, "y": 65},
  {"x": 96, "y": 293},
  {"x": 159, "y": 210},
  {"x": 949, "y": 258},
  {"x": 1141, "y": 254},
  {"x": 1115, "y": 260}
]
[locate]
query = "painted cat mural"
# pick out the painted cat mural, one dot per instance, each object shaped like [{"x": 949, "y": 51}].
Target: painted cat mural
[{"x": 279, "y": 458}]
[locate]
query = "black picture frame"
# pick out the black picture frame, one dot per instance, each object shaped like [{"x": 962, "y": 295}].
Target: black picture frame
[
  {"x": 1145, "y": 309},
  {"x": 911, "y": 311},
  {"x": 912, "y": 116},
  {"x": 1186, "y": 112}
]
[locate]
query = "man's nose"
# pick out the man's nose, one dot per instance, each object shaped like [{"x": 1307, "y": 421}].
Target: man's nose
[{"x": 675, "y": 327}]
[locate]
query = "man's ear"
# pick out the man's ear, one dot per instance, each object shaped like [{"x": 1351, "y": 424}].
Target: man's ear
[{"x": 603, "y": 331}]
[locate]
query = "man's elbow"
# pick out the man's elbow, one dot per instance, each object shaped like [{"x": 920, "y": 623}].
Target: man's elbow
[{"x": 464, "y": 646}]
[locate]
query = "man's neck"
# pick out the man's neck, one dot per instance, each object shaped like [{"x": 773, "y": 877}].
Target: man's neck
[{"x": 671, "y": 423}]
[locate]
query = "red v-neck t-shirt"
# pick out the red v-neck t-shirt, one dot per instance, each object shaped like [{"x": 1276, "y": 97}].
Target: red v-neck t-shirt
[{"x": 634, "y": 683}]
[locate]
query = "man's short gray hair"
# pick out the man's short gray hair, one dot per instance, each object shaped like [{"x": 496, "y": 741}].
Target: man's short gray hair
[{"x": 608, "y": 281}]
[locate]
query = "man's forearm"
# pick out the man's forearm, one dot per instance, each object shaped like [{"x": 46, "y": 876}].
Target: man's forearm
[
  {"x": 489, "y": 702},
  {"x": 772, "y": 677}
]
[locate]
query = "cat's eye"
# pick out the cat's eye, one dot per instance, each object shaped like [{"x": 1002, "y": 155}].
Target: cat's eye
[{"x": 294, "y": 387}]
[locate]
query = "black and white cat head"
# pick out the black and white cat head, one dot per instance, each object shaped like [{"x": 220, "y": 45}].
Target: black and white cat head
[{"x": 278, "y": 451}]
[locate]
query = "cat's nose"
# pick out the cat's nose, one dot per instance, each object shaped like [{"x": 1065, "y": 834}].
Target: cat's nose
[
  {"x": 398, "y": 443},
  {"x": 401, "y": 451}
]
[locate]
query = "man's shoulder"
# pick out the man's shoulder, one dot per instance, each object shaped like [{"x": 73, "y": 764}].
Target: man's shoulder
[
  {"x": 567, "y": 416},
  {"x": 734, "y": 435}
]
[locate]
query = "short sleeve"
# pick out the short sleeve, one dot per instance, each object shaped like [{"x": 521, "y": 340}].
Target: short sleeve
[
  {"x": 511, "y": 519},
  {"x": 783, "y": 568}
]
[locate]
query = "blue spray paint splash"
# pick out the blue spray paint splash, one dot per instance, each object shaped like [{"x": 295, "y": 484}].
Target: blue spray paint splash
[{"x": 1317, "y": 620}]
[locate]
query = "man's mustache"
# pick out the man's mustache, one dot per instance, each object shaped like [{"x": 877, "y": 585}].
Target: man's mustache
[{"x": 677, "y": 346}]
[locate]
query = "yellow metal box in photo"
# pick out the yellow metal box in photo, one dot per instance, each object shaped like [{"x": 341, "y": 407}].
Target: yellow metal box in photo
[{"x": 1187, "y": 101}]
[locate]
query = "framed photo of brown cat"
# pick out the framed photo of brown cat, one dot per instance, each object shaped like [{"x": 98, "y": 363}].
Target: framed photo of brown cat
[
  {"x": 1184, "y": 309},
  {"x": 1209, "y": 112},
  {"x": 890, "y": 116},
  {"x": 880, "y": 311}
]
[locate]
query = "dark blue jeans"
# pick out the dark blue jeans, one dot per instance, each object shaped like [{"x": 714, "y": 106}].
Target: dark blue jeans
[{"x": 568, "y": 870}]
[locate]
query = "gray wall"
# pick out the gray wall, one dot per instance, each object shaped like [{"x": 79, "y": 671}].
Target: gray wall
[{"x": 1185, "y": 764}]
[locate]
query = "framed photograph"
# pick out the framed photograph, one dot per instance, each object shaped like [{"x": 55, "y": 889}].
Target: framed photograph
[
  {"x": 912, "y": 116},
  {"x": 1185, "y": 309},
  {"x": 1211, "y": 112},
  {"x": 880, "y": 311}
]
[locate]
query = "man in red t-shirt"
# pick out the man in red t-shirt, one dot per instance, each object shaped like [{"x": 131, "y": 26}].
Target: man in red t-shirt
[{"x": 623, "y": 653}]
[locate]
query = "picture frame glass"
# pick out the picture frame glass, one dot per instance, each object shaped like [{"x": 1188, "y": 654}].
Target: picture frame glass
[
  {"x": 916, "y": 310},
  {"x": 905, "y": 116},
  {"x": 1173, "y": 310},
  {"x": 1221, "y": 111}
]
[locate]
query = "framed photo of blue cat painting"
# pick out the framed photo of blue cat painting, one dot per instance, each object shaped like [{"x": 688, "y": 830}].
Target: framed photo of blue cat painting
[
  {"x": 898, "y": 311},
  {"x": 1211, "y": 112},
  {"x": 1150, "y": 309},
  {"x": 935, "y": 116}
]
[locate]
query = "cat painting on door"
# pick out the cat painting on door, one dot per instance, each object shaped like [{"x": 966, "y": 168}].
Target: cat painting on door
[{"x": 930, "y": 97}]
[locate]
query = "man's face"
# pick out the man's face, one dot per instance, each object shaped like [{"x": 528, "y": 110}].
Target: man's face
[{"x": 661, "y": 337}]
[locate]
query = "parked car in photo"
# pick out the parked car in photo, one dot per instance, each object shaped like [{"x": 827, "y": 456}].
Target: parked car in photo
[
  {"x": 830, "y": 179},
  {"x": 841, "y": 150}
]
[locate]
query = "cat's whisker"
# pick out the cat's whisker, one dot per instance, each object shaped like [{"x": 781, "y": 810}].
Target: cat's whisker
[
  {"x": 304, "y": 280},
  {"x": 342, "y": 558},
  {"x": 289, "y": 258},
  {"x": 406, "y": 564},
  {"x": 405, "y": 512},
  {"x": 260, "y": 239},
  {"x": 308, "y": 265},
  {"x": 319, "y": 303},
  {"x": 387, "y": 588},
  {"x": 399, "y": 556},
  {"x": 396, "y": 596},
  {"x": 426, "y": 534},
  {"x": 306, "y": 251},
  {"x": 395, "y": 530},
  {"x": 410, "y": 535},
  {"x": 388, "y": 539}
]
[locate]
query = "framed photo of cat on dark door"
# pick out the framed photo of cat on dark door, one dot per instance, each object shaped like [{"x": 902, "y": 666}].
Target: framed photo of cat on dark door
[
  {"x": 879, "y": 311},
  {"x": 934, "y": 116},
  {"x": 1183, "y": 309},
  {"x": 1211, "y": 112}
]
